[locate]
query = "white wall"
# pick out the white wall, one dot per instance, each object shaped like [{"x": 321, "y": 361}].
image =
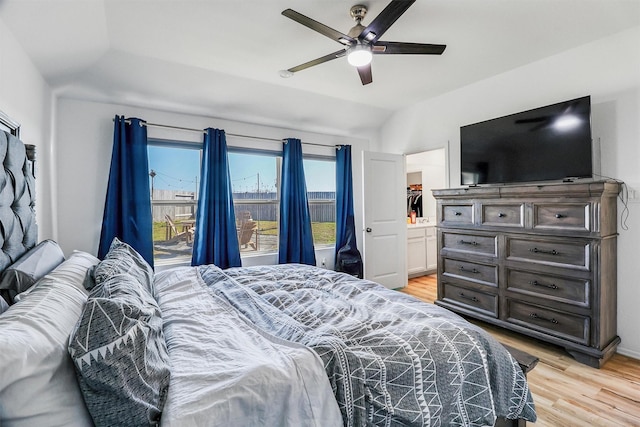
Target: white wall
[
  {"x": 609, "y": 71},
  {"x": 85, "y": 136},
  {"x": 26, "y": 98}
]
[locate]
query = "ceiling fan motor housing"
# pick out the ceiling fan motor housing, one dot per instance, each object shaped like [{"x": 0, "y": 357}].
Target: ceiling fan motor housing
[{"x": 358, "y": 12}]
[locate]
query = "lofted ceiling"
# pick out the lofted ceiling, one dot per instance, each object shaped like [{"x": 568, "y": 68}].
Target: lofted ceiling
[{"x": 222, "y": 57}]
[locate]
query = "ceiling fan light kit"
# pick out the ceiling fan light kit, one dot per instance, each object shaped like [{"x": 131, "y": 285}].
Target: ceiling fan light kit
[
  {"x": 359, "y": 55},
  {"x": 361, "y": 43}
]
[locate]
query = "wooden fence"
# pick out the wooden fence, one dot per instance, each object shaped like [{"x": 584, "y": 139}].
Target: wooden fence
[
  {"x": 182, "y": 205},
  {"x": 175, "y": 204}
]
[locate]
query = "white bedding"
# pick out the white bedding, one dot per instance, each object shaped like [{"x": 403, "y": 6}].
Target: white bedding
[{"x": 226, "y": 372}]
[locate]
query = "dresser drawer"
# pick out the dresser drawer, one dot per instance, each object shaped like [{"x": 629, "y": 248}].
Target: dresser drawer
[
  {"x": 574, "y": 254},
  {"x": 556, "y": 288},
  {"x": 479, "y": 301},
  {"x": 557, "y": 323},
  {"x": 505, "y": 215},
  {"x": 459, "y": 214},
  {"x": 475, "y": 272},
  {"x": 470, "y": 243},
  {"x": 561, "y": 216}
]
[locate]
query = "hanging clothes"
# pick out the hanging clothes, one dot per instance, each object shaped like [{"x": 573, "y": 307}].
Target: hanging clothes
[{"x": 416, "y": 204}]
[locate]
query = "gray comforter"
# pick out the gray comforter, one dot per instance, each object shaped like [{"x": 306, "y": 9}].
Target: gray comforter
[
  {"x": 226, "y": 372},
  {"x": 391, "y": 359}
]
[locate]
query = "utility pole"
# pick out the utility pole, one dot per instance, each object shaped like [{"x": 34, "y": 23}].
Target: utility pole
[
  {"x": 193, "y": 207},
  {"x": 152, "y": 174}
]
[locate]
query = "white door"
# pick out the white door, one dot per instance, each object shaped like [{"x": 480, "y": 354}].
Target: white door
[{"x": 385, "y": 219}]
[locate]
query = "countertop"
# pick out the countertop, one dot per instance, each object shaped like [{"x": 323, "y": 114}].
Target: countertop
[{"x": 422, "y": 225}]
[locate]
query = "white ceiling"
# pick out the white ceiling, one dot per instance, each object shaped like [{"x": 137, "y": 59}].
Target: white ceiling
[{"x": 221, "y": 57}]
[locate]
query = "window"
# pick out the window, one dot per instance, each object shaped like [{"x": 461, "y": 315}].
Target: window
[
  {"x": 320, "y": 176},
  {"x": 174, "y": 177},
  {"x": 255, "y": 182}
]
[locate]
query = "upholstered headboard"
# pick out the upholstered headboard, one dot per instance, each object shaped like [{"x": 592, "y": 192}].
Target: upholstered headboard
[{"x": 18, "y": 228}]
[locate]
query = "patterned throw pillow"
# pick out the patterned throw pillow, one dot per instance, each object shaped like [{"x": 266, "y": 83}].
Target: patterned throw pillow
[
  {"x": 118, "y": 347},
  {"x": 123, "y": 259}
]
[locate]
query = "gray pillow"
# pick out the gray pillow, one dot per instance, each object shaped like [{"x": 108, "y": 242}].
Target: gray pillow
[
  {"x": 29, "y": 268},
  {"x": 118, "y": 346},
  {"x": 120, "y": 259}
]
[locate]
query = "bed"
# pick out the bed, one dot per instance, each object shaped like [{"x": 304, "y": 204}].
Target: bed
[{"x": 111, "y": 342}]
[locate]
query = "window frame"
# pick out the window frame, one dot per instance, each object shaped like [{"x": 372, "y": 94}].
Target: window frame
[
  {"x": 323, "y": 201},
  {"x": 193, "y": 203},
  {"x": 278, "y": 158},
  {"x": 193, "y": 145}
]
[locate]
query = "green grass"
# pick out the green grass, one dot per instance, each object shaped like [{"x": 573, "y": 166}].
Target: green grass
[
  {"x": 159, "y": 231},
  {"x": 323, "y": 232}
]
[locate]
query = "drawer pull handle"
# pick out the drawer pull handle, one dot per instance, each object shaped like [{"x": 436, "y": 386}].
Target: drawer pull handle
[
  {"x": 474, "y": 299},
  {"x": 457, "y": 213},
  {"x": 464, "y": 242},
  {"x": 473, "y": 270},
  {"x": 544, "y": 285},
  {"x": 560, "y": 216},
  {"x": 542, "y": 251},
  {"x": 502, "y": 215},
  {"x": 552, "y": 320}
]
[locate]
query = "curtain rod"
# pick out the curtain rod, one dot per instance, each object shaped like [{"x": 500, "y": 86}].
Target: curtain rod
[{"x": 230, "y": 134}]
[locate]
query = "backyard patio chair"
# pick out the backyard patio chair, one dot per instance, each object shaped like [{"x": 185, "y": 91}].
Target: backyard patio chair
[
  {"x": 246, "y": 231},
  {"x": 187, "y": 232}
]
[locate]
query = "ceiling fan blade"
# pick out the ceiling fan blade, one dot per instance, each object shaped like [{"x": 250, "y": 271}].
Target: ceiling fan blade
[
  {"x": 321, "y": 28},
  {"x": 318, "y": 61},
  {"x": 389, "y": 48},
  {"x": 384, "y": 20},
  {"x": 365, "y": 74}
]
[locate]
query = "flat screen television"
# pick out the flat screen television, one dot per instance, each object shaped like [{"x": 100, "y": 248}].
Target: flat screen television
[{"x": 543, "y": 144}]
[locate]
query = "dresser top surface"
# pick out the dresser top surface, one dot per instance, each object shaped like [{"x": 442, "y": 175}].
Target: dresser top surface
[{"x": 582, "y": 188}]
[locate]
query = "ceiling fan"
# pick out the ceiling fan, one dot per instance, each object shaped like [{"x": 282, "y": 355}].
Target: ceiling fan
[{"x": 361, "y": 43}]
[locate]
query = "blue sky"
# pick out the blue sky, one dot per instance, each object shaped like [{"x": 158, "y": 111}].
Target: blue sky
[{"x": 178, "y": 169}]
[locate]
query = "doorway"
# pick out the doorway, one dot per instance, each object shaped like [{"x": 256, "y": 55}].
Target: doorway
[{"x": 427, "y": 170}]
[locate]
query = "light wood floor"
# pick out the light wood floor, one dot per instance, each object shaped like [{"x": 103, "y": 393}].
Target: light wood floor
[{"x": 565, "y": 392}]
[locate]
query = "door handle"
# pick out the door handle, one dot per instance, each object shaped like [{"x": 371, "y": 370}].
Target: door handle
[{"x": 368, "y": 229}]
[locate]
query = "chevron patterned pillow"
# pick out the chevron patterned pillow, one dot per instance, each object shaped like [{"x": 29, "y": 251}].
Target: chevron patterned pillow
[{"x": 118, "y": 347}]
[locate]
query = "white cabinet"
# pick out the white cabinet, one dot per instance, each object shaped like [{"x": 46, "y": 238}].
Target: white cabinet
[
  {"x": 432, "y": 248},
  {"x": 422, "y": 255},
  {"x": 416, "y": 251}
]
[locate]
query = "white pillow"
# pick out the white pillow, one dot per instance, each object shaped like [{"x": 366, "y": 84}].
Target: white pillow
[{"x": 38, "y": 384}]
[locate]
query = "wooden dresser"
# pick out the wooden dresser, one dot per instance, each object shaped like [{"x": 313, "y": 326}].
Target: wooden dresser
[{"x": 539, "y": 259}]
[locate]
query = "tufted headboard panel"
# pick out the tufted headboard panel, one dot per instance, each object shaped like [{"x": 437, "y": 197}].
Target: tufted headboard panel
[{"x": 18, "y": 228}]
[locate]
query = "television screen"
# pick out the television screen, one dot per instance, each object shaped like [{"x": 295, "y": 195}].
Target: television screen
[{"x": 547, "y": 143}]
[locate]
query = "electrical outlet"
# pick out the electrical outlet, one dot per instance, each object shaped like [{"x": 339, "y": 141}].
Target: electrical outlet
[{"x": 633, "y": 191}]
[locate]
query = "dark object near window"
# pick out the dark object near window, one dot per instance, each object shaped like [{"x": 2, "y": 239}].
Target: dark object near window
[{"x": 348, "y": 259}]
